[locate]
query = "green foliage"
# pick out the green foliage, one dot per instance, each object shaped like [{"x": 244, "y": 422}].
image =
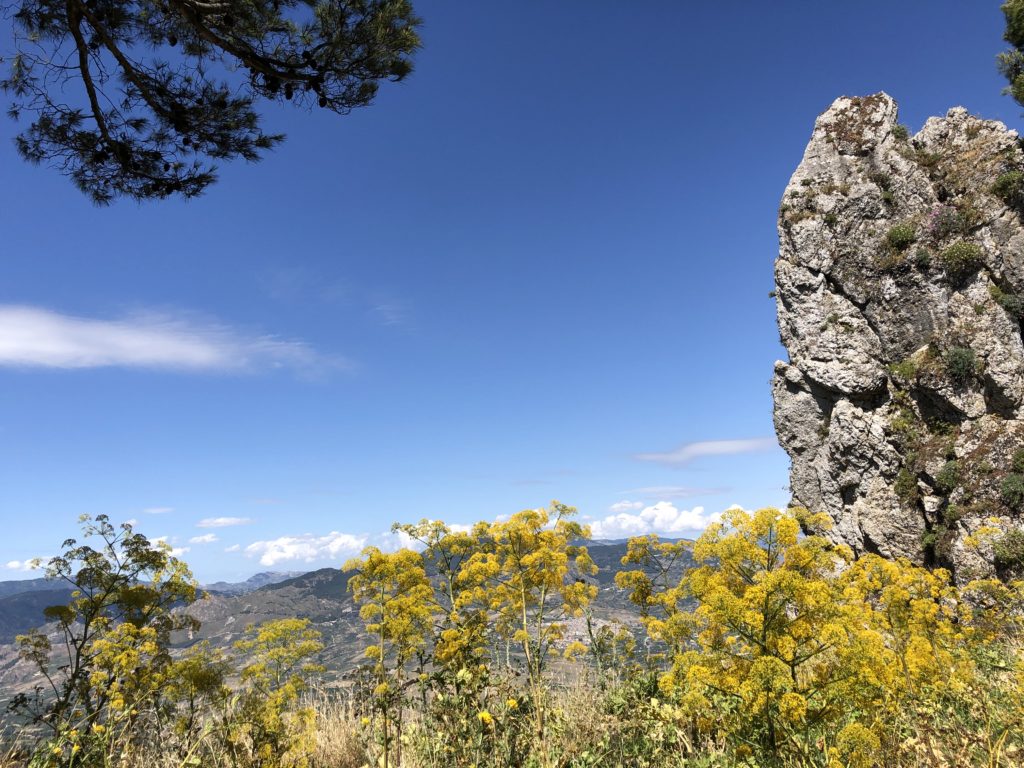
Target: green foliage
[
  {"x": 1009, "y": 187},
  {"x": 521, "y": 573},
  {"x": 1009, "y": 551},
  {"x": 961, "y": 366},
  {"x": 777, "y": 649},
  {"x": 1012, "y": 491},
  {"x": 114, "y": 634},
  {"x": 270, "y": 728},
  {"x": 900, "y": 237},
  {"x": 900, "y": 132},
  {"x": 905, "y": 369},
  {"x": 961, "y": 260},
  {"x": 948, "y": 478},
  {"x": 653, "y": 588},
  {"x": 1017, "y": 461},
  {"x": 397, "y": 607},
  {"x": 111, "y": 113},
  {"x": 1011, "y": 302},
  {"x": 1011, "y": 63},
  {"x": 906, "y": 487}
]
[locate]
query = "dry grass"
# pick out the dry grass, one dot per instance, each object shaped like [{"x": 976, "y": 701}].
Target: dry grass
[{"x": 339, "y": 741}]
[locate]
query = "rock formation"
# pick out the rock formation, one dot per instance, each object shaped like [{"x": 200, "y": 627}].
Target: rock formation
[{"x": 900, "y": 295}]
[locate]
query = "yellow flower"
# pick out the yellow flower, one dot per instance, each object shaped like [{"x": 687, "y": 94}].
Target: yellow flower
[
  {"x": 485, "y": 717},
  {"x": 365, "y": 721},
  {"x": 97, "y": 728},
  {"x": 76, "y": 749},
  {"x": 511, "y": 703},
  {"x": 57, "y": 750}
]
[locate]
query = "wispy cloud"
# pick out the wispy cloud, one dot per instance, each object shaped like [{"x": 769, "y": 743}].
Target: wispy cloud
[
  {"x": 32, "y": 337},
  {"x": 661, "y": 518},
  {"x": 222, "y": 522},
  {"x": 390, "y": 312},
  {"x": 158, "y": 510},
  {"x": 661, "y": 492},
  {"x": 625, "y": 506},
  {"x": 686, "y": 453},
  {"x": 307, "y": 548},
  {"x": 233, "y": 548},
  {"x": 206, "y": 538}
]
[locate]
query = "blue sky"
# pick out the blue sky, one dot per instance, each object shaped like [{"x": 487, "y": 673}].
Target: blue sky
[{"x": 537, "y": 269}]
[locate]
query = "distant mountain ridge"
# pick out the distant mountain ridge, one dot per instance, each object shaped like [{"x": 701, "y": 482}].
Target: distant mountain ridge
[{"x": 252, "y": 583}]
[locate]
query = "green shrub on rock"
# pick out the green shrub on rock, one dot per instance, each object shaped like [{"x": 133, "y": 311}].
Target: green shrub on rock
[
  {"x": 901, "y": 237},
  {"x": 1017, "y": 462},
  {"x": 961, "y": 365},
  {"x": 961, "y": 260},
  {"x": 1012, "y": 491},
  {"x": 1009, "y": 550},
  {"x": 947, "y": 478},
  {"x": 1009, "y": 187}
]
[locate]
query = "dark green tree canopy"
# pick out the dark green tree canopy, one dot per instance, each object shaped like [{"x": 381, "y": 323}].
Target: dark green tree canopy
[
  {"x": 140, "y": 98},
  {"x": 1011, "y": 62}
]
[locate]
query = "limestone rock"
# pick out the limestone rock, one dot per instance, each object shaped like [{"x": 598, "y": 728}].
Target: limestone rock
[{"x": 900, "y": 295}]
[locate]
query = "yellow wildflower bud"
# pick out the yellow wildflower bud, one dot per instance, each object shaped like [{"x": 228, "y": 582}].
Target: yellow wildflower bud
[{"x": 485, "y": 718}]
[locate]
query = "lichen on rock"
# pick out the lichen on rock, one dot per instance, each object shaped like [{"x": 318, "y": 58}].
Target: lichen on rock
[{"x": 899, "y": 288}]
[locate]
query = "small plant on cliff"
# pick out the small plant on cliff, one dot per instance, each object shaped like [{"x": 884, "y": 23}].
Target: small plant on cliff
[
  {"x": 961, "y": 365},
  {"x": 901, "y": 237},
  {"x": 961, "y": 260},
  {"x": 1011, "y": 302},
  {"x": 947, "y": 478},
  {"x": 900, "y": 132},
  {"x": 1017, "y": 462},
  {"x": 906, "y": 487},
  {"x": 1012, "y": 491},
  {"x": 905, "y": 369},
  {"x": 1009, "y": 187},
  {"x": 943, "y": 221},
  {"x": 1008, "y": 550}
]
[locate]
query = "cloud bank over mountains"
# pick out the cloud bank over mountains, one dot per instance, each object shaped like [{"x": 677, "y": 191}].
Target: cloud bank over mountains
[{"x": 662, "y": 518}]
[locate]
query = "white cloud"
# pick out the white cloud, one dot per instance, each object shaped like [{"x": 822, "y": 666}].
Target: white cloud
[
  {"x": 179, "y": 551},
  {"x": 206, "y": 538},
  {"x": 158, "y": 510},
  {"x": 686, "y": 453},
  {"x": 662, "y": 518},
  {"x": 625, "y": 506},
  {"x": 233, "y": 548},
  {"x": 222, "y": 522},
  {"x": 306, "y": 547},
  {"x": 23, "y": 565},
  {"x": 41, "y": 338}
]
